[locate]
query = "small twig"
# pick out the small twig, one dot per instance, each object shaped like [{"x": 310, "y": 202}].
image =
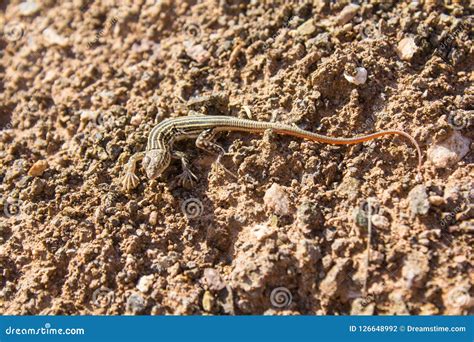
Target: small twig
[{"x": 369, "y": 238}]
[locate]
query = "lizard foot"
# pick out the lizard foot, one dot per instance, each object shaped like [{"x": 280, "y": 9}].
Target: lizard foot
[
  {"x": 219, "y": 163},
  {"x": 130, "y": 181},
  {"x": 187, "y": 179}
]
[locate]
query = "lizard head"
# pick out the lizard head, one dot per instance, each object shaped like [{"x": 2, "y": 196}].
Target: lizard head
[{"x": 155, "y": 162}]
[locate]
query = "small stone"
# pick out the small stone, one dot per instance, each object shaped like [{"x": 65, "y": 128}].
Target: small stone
[
  {"x": 37, "y": 187},
  {"x": 406, "y": 49},
  {"x": 153, "y": 218},
  {"x": 416, "y": 269},
  {"x": 38, "y": 168},
  {"x": 53, "y": 38},
  {"x": 196, "y": 52},
  {"x": 145, "y": 283},
  {"x": 424, "y": 242},
  {"x": 418, "y": 200},
  {"x": 276, "y": 200},
  {"x": 339, "y": 245},
  {"x": 359, "y": 78},
  {"x": 402, "y": 230},
  {"x": 347, "y": 14},
  {"x": 174, "y": 270},
  {"x": 309, "y": 217},
  {"x": 135, "y": 304},
  {"x": 436, "y": 201},
  {"x": 380, "y": 221},
  {"x": 261, "y": 232},
  {"x": 136, "y": 120},
  {"x": 207, "y": 301},
  {"x": 212, "y": 279},
  {"x": 28, "y": 8},
  {"x": 450, "y": 151},
  {"x": 467, "y": 226},
  {"x": 307, "y": 28}
]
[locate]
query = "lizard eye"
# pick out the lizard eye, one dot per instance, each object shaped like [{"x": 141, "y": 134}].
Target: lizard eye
[{"x": 146, "y": 160}]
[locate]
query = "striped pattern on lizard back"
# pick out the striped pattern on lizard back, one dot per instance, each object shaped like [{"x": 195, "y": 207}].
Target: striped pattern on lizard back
[{"x": 159, "y": 150}]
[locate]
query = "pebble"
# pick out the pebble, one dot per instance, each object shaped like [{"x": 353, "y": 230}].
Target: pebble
[
  {"x": 347, "y": 14},
  {"x": 212, "y": 279},
  {"x": 359, "y": 78},
  {"x": 37, "y": 187},
  {"x": 436, "y": 200},
  {"x": 53, "y": 38},
  {"x": 307, "y": 28},
  {"x": 207, "y": 301},
  {"x": 406, "y": 49},
  {"x": 380, "y": 221},
  {"x": 28, "y": 8},
  {"x": 196, "y": 52},
  {"x": 153, "y": 218},
  {"x": 276, "y": 200},
  {"x": 450, "y": 151},
  {"x": 136, "y": 120},
  {"x": 418, "y": 200},
  {"x": 135, "y": 303},
  {"x": 38, "y": 168},
  {"x": 145, "y": 283}
]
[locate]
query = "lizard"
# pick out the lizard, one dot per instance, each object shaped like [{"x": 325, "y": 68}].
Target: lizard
[{"x": 159, "y": 150}]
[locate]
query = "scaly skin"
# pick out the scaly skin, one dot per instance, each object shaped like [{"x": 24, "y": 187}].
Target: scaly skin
[{"x": 159, "y": 150}]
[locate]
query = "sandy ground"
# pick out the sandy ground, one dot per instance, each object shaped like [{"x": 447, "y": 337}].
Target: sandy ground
[{"x": 82, "y": 84}]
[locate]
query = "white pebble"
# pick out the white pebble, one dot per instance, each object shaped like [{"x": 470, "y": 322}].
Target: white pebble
[
  {"x": 145, "y": 283},
  {"x": 450, "y": 151},
  {"x": 53, "y": 38},
  {"x": 406, "y": 49},
  {"x": 359, "y": 78},
  {"x": 276, "y": 200},
  {"x": 28, "y": 8}
]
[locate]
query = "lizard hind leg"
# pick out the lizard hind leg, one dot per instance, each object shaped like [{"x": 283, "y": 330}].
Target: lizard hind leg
[{"x": 205, "y": 142}]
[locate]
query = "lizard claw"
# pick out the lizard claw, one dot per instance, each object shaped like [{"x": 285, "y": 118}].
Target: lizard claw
[
  {"x": 187, "y": 179},
  {"x": 130, "y": 181}
]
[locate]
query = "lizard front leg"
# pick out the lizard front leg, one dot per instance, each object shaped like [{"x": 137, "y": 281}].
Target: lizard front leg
[
  {"x": 187, "y": 177},
  {"x": 130, "y": 179},
  {"x": 205, "y": 142}
]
